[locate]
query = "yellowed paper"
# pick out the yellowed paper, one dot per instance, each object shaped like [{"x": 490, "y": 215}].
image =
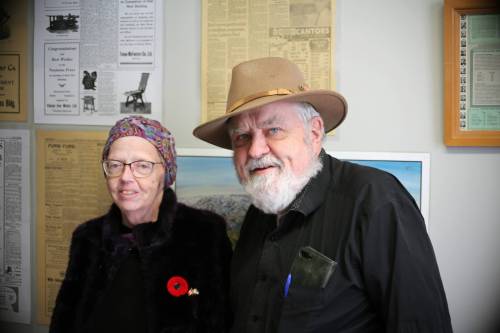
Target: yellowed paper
[
  {"x": 15, "y": 222},
  {"x": 236, "y": 31},
  {"x": 71, "y": 189},
  {"x": 13, "y": 48}
]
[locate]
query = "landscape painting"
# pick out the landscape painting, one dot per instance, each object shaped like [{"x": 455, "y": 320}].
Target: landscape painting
[{"x": 206, "y": 179}]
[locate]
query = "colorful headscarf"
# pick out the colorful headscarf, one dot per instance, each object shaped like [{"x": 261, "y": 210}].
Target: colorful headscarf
[{"x": 152, "y": 131}]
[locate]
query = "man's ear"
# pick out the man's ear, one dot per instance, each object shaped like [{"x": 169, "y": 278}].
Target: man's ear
[{"x": 317, "y": 132}]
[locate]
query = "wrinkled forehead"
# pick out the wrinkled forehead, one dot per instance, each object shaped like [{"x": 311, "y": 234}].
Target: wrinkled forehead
[
  {"x": 274, "y": 114},
  {"x": 133, "y": 146}
]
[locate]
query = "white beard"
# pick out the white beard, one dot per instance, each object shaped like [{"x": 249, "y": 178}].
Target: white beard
[{"x": 273, "y": 192}]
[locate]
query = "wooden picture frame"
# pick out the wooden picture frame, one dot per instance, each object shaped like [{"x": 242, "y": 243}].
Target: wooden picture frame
[{"x": 456, "y": 100}]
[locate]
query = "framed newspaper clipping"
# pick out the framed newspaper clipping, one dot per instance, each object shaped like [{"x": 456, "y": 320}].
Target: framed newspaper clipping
[
  {"x": 302, "y": 31},
  {"x": 13, "y": 60},
  {"x": 472, "y": 73}
]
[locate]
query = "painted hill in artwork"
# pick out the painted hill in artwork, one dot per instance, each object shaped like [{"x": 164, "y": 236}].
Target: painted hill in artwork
[{"x": 230, "y": 206}]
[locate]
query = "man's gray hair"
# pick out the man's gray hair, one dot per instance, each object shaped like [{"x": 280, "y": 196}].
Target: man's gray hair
[{"x": 306, "y": 112}]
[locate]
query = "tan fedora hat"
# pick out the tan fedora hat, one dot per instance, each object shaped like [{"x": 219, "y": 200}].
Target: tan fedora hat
[{"x": 258, "y": 82}]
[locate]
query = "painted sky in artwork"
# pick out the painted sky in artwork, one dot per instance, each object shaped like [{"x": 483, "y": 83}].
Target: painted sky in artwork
[
  {"x": 409, "y": 174},
  {"x": 206, "y": 175}
]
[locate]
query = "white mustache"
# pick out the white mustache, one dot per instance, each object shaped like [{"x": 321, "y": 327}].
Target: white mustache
[{"x": 263, "y": 162}]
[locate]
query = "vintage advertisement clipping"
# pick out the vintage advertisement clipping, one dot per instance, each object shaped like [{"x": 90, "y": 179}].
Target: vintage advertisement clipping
[
  {"x": 71, "y": 189},
  {"x": 480, "y": 72},
  {"x": 97, "y": 61},
  {"x": 15, "y": 276},
  {"x": 13, "y": 47},
  {"x": 236, "y": 31}
]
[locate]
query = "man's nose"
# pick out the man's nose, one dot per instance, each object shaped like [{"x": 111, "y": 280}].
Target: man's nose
[{"x": 258, "y": 146}]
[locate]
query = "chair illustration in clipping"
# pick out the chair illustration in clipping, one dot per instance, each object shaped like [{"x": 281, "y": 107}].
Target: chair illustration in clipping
[{"x": 133, "y": 96}]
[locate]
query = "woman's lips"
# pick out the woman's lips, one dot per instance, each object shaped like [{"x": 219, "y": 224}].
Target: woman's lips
[{"x": 127, "y": 193}]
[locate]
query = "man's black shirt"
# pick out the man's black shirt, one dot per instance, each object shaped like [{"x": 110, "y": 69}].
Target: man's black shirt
[{"x": 386, "y": 280}]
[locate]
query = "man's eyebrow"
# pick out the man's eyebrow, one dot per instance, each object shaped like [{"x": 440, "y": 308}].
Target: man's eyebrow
[
  {"x": 270, "y": 122},
  {"x": 236, "y": 131}
]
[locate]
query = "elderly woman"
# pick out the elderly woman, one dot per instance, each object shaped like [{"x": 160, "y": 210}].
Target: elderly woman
[{"x": 150, "y": 264}]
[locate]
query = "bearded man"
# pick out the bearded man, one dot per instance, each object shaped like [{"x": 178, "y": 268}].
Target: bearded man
[{"x": 327, "y": 245}]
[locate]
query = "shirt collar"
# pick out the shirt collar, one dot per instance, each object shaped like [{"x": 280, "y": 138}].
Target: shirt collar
[{"x": 313, "y": 194}]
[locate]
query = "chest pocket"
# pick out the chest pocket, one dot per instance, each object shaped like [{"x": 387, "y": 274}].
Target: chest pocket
[
  {"x": 303, "y": 305},
  {"x": 311, "y": 277}
]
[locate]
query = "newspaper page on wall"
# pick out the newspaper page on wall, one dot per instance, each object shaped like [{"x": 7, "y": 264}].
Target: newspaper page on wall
[
  {"x": 71, "y": 189},
  {"x": 13, "y": 47},
  {"x": 15, "y": 272},
  {"x": 480, "y": 72},
  {"x": 236, "y": 31},
  {"x": 97, "y": 61}
]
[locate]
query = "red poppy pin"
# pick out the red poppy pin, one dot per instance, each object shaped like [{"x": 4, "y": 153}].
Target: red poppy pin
[{"x": 178, "y": 286}]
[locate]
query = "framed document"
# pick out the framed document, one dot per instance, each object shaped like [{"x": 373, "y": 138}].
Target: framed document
[
  {"x": 13, "y": 61},
  {"x": 472, "y": 73},
  {"x": 302, "y": 31}
]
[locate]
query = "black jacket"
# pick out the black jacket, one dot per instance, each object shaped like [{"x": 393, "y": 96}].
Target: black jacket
[
  {"x": 386, "y": 278},
  {"x": 112, "y": 282}
]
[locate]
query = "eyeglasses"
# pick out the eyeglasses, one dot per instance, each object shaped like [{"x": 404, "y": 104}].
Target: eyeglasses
[{"x": 139, "y": 169}]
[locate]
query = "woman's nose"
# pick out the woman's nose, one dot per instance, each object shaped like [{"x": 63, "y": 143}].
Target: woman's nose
[{"x": 127, "y": 173}]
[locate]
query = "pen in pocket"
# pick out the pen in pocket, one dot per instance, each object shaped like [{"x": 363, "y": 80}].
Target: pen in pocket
[{"x": 287, "y": 284}]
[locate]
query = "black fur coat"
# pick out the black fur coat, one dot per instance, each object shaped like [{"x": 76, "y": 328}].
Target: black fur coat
[{"x": 184, "y": 242}]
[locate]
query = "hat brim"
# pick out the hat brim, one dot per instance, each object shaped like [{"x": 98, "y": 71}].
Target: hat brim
[{"x": 330, "y": 105}]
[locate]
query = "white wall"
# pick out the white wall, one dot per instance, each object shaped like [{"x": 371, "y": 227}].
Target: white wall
[
  {"x": 389, "y": 57},
  {"x": 390, "y": 68}
]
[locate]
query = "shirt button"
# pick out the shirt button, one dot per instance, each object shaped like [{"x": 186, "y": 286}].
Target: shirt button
[
  {"x": 255, "y": 318},
  {"x": 263, "y": 277}
]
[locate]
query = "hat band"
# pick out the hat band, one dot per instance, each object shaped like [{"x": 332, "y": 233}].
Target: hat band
[{"x": 274, "y": 92}]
